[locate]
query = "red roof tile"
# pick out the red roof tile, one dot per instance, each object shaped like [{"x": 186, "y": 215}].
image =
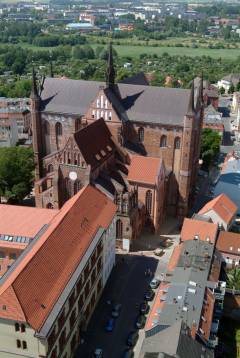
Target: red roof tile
[
  {"x": 41, "y": 276},
  {"x": 204, "y": 230},
  {"x": 223, "y": 206},
  {"x": 229, "y": 242},
  {"x": 23, "y": 221},
  {"x": 144, "y": 169}
]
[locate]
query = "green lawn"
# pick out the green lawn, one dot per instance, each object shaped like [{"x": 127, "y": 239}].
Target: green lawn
[{"x": 135, "y": 51}]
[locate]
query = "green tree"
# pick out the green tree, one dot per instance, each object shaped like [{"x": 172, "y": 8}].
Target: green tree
[
  {"x": 210, "y": 145},
  {"x": 231, "y": 89},
  {"x": 221, "y": 90},
  {"x": 238, "y": 87},
  {"x": 233, "y": 279},
  {"x": 16, "y": 172}
]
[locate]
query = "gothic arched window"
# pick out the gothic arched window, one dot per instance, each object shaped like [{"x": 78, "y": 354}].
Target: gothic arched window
[
  {"x": 163, "y": 141},
  {"x": 119, "y": 229},
  {"x": 46, "y": 128},
  {"x": 148, "y": 202},
  {"x": 58, "y": 129},
  {"x": 177, "y": 143},
  {"x": 141, "y": 134}
]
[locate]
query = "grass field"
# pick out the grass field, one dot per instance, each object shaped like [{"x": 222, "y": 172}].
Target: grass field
[{"x": 135, "y": 51}]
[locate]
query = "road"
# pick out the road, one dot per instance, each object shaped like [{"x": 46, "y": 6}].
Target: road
[{"x": 127, "y": 285}]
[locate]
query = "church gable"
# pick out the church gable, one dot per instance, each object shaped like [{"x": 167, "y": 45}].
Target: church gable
[
  {"x": 71, "y": 154},
  {"x": 102, "y": 107}
]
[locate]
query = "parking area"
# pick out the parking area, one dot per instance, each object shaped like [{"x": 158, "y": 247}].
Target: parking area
[{"x": 127, "y": 285}]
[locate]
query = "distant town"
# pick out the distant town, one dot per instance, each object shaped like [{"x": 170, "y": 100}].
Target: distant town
[{"x": 119, "y": 179}]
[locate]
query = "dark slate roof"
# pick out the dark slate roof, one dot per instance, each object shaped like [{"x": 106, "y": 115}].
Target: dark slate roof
[
  {"x": 140, "y": 103},
  {"x": 174, "y": 341}
]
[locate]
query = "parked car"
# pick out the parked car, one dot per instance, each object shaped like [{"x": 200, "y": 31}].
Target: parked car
[
  {"x": 116, "y": 310},
  {"x": 154, "y": 283},
  {"x": 149, "y": 295},
  {"x": 98, "y": 353},
  {"x": 132, "y": 338},
  {"x": 144, "y": 308},
  {"x": 128, "y": 353},
  {"x": 140, "y": 321},
  {"x": 110, "y": 325}
]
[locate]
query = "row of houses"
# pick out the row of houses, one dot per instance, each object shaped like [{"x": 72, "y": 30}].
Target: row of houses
[{"x": 189, "y": 302}]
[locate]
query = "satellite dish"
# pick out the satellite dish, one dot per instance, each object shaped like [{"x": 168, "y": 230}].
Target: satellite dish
[{"x": 73, "y": 176}]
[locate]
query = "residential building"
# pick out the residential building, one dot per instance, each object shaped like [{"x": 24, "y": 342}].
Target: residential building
[
  {"x": 221, "y": 210},
  {"x": 8, "y": 133},
  {"x": 228, "y": 81},
  {"x": 195, "y": 229},
  {"x": 228, "y": 244},
  {"x": 191, "y": 294},
  {"x": 48, "y": 295}
]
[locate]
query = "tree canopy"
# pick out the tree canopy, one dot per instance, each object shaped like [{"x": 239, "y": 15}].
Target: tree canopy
[
  {"x": 233, "y": 279},
  {"x": 16, "y": 172},
  {"x": 210, "y": 145}
]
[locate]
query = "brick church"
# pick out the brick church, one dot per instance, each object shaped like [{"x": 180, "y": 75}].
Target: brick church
[{"x": 137, "y": 143}]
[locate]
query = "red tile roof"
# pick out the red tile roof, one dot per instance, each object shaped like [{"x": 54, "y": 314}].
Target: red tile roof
[
  {"x": 174, "y": 257},
  {"x": 156, "y": 307},
  {"x": 144, "y": 169},
  {"x": 223, "y": 206},
  {"x": 229, "y": 242},
  {"x": 23, "y": 221},
  {"x": 202, "y": 229},
  {"x": 41, "y": 276}
]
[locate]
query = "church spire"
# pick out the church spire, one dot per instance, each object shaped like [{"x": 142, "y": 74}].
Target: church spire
[
  {"x": 34, "y": 91},
  {"x": 191, "y": 110},
  {"x": 110, "y": 73}
]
